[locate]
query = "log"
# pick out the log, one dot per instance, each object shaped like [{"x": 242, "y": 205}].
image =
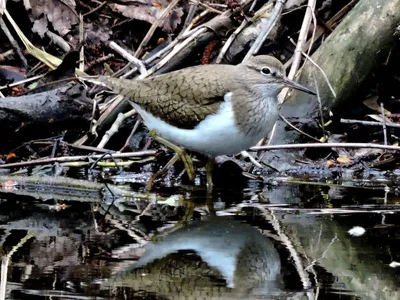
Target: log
[
  {"x": 361, "y": 41},
  {"x": 39, "y": 115}
]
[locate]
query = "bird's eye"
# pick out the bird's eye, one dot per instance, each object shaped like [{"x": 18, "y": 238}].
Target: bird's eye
[{"x": 266, "y": 71}]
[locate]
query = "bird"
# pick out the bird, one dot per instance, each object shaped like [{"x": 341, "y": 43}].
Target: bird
[
  {"x": 216, "y": 109},
  {"x": 192, "y": 261}
]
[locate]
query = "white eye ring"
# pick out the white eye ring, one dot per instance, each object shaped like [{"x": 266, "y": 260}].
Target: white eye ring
[{"x": 267, "y": 71}]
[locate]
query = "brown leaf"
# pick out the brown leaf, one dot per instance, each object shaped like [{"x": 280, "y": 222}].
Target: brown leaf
[
  {"x": 61, "y": 14},
  {"x": 372, "y": 103},
  {"x": 40, "y": 27},
  {"x": 149, "y": 12},
  {"x": 343, "y": 160},
  {"x": 329, "y": 164}
]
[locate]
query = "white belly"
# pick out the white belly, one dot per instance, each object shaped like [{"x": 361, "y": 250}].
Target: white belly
[{"x": 216, "y": 135}]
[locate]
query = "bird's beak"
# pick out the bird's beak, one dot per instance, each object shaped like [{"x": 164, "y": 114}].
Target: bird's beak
[{"x": 297, "y": 86}]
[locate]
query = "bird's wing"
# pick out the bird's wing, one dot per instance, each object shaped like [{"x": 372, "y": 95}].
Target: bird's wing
[{"x": 182, "y": 100}]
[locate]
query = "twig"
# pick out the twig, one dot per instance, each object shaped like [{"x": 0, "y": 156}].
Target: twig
[
  {"x": 299, "y": 46},
  {"x": 266, "y": 29},
  {"x": 115, "y": 126},
  {"x": 99, "y": 60},
  {"x": 189, "y": 17},
  {"x": 319, "y": 32},
  {"x": 320, "y": 105},
  {"x": 325, "y": 145},
  {"x": 323, "y": 73},
  {"x": 13, "y": 42},
  {"x": 287, "y": 241},
  {"x": 368, "y": 123},
  {"x": 154, "y": 26},
  {"x": 245, "y": 154},
  {"x": 135, "y": 127},
  {"x": 207, "y": 7},
  {"x": 297, "y": 129},
  {"x": 21, "y": 82},
  {"x": 58, "y": 40},
  {"x": 5, "y": 260},
  {"x": 135, "y": 61},
  {"x": 176, "y": 49},
  {"x": 230, "y": 40},
  {"x": 81, "y": 38},
  {"x": 384, "y": 124},
  {"x": 45, "y": 161},
  {"x": 95, "y": 9},
  {"x": 4, "y": 55},
  {"x": 233, "y": 36},
  {"x": 195, "y": 20},
  {"x": 302, "y": 38}
]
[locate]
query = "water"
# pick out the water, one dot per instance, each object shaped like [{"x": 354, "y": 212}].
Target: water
[{"x": 289, "y": 241}]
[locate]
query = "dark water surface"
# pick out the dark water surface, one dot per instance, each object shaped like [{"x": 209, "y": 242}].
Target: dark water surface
[{"x": 282, "y": 242}]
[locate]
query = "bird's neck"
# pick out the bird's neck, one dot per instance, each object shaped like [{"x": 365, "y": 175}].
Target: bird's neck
[{"x": 255, "y": 112}]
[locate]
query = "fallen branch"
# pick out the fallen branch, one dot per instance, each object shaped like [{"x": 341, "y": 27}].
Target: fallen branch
[
  {"x": 76, "y": 158},
  {"x": 368, "y": 123},
  {"x": 327, "y": 145}
]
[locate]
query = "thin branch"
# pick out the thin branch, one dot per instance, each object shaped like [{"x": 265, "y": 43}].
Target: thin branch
[
  {"x": 135, "y": 61},
  {"x": 45, "y": 161},
  {"x": 323, "y": 73},
  {"x": 13, "y": 42},
  {"x": 325, "y": 145},
  {"x": 153, "y": 27},
  {"x": 320, "y": 105},
  {"x": 384, "y": 124},
  {"x": 266, "y": 30},
  {"x": 368, "y": 123},
  {"x": 297, "y": 129},
  {"x": 302, "y": 38}
]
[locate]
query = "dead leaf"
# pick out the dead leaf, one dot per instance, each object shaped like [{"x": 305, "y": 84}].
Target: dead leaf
[
  {"x": 61, "y": 14},
  {"x": 372, "y": 103},
  {"x": 329, "y": 164},
  {"x": 40, "y": 27},
  {"x": 149, "y": 11},
  {"x": 379, "y": 118},
  {"x": 343, "y": 160}
]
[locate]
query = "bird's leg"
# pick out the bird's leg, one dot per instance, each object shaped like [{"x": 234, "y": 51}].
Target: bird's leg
[
  {"x": 209, "y": 172},
  {"x": 169, "y": 164},
  {"x": 187, "y": 161}
]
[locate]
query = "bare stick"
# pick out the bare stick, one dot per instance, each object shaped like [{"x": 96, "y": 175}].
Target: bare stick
[
  {"x": 115, "y": 126},
  {"x": 368, "y": 123},
  {"x": 302, "y": 38},
  {"x": 207, "y": 7},
  {"x": 13, "y": 43},
  {"x": 21, "y": 82},
  {"x": 59, "y": 41},
  {"x": 135, "y": 127},
  {"x": 233, "y": 36},
  {"x": 153, "y": 27},
  {"x": 46, "y": 161},
  {"x": 230, "y": 40},
  {"x": 137, "y": 62},
  {"x": 384, "y": 124},
  {"x": 177, "y": 49},
  {"x": 297, "y": 129},
  {"x": 325, "y": 145},
  {"x": 266, "y": 29},
  {"x": 81, "y": 38},
  {"x": 323, "y": 74},
  {"x": 320, "y": 105}
]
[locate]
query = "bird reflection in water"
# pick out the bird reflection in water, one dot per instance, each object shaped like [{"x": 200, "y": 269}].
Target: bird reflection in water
[{"x": 213, "y": 259}]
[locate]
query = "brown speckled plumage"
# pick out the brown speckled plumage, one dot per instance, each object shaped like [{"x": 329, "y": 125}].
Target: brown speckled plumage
[{"x": 186, "y": 97}]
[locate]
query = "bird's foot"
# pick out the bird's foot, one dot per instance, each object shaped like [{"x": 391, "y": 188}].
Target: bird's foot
[{"x": 180, "y": 153}]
